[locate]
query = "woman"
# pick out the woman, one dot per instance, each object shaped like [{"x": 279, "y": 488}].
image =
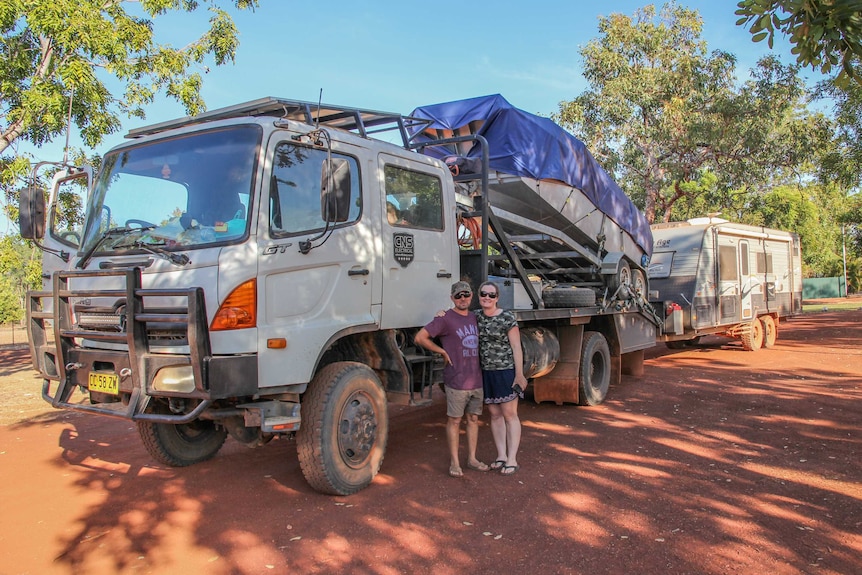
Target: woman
[{"x": 502, "y": 375}]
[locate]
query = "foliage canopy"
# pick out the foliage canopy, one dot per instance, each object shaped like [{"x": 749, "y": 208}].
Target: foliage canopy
[
  {"x": 54, "y": 52},
  {"x": 825, "y": 33}
]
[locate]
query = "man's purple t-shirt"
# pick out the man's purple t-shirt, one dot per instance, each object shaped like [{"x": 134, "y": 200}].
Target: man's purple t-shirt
[{"x": 459, "y": 336}]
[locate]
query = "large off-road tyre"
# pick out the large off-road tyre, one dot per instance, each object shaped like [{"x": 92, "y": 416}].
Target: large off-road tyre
[
  {"x": 770, "y": 332},
  {"x": 568, "y": 297},
  {"x": 595, "y": 370},
  {"x": 752, "y": 338},
  {"x": 345, "y": 425},
  {"x": 182, "y": 444}
]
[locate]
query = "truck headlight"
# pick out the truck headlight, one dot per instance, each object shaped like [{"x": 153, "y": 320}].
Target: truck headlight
[{"x": 175, "y": 378}]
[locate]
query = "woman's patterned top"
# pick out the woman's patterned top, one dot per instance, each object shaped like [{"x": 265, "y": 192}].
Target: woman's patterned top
[{"x": 495, "y": 351}]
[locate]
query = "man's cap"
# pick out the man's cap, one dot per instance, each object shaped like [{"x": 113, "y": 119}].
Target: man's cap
[{"x": 461, "y": 286}]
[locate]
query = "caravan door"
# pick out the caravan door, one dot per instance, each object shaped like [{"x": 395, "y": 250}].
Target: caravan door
[
  {"x": 729, "y": 289},
  {"x": 746, "y": 283}
]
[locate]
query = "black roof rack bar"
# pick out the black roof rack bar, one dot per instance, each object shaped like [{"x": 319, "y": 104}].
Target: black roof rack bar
[{"x": 343, "y": 117}]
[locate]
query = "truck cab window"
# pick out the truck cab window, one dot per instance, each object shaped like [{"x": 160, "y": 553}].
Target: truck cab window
[
  {"x": 413, "y": 199},
  {"x": 294, "y": 192}
]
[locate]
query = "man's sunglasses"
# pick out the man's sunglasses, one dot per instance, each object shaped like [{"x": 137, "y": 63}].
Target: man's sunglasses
[
  {"x": 488, "y": 294},
  {"x": 462, "y": 295}
]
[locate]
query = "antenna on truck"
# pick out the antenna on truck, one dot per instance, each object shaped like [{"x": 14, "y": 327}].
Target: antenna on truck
[{"x": 68, "y": 128}]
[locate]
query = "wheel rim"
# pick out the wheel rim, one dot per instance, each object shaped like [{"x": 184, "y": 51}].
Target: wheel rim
[
  {"x": 357, "y": 429},
  {"x": 639, "y": 284},
  {"x": 625, "y": 276}
]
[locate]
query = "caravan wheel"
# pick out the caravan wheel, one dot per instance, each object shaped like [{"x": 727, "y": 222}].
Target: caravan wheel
[
  {"x": 770, "y": 334},
  {"x": 752, "y": 338}
]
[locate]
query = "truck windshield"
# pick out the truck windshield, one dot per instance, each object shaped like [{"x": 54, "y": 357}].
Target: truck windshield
[{"x": 177, "y": 193}]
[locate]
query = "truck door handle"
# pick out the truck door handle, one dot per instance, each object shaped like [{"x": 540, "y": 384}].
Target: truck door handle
[
  {"x": 357, "y": 272},
  {"x": 444, "y": 275}
]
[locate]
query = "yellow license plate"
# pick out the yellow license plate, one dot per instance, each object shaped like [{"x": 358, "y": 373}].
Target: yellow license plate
[{"x": 105, "y": 383}]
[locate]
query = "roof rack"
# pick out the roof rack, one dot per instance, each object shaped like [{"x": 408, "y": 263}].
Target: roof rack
[{"x": 359, "y": 121}]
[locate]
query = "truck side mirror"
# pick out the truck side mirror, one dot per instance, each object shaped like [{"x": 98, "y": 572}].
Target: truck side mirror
[
  {"x": 31, "y": 213},
  {"x": 335, "y": 190}
]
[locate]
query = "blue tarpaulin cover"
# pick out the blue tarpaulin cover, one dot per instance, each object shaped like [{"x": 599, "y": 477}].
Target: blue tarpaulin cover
[{"x": 523, "y": 144}]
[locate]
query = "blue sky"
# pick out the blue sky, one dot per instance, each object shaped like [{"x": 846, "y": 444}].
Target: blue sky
[{"x": 397, "y": 55}]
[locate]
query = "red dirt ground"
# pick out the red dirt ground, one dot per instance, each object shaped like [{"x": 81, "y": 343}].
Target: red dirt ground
[{"x": 716, "y": 461}]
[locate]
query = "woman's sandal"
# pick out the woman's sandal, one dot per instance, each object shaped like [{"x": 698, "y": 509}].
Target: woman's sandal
[
  {"x": 499, "y": 464},
  {"x": 506, "y": 468}
]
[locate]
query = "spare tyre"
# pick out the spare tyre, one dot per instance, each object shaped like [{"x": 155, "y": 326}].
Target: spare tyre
[{"x": 568, "y": 297}]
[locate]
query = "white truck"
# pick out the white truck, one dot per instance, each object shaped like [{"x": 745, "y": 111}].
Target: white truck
[
  {"x": 711, "y": 276},
  {"x": 260, "y": 270}
]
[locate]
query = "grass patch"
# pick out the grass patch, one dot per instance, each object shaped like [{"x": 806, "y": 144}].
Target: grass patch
[{"x": 853, "y": 304}]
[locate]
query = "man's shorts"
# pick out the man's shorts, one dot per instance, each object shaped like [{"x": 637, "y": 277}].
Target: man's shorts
[{"x": 460, "y": 401}]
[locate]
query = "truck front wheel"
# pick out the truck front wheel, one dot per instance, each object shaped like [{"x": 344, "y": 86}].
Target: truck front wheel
[
  {"x": 345, "y": 425},
  {"x": 595, "y": 372},
  {"x": 183, "y": 444}
]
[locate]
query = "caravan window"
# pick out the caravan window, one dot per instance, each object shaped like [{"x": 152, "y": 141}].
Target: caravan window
[
  {"x": 743, "y": 258},
  {"x": 764, "y": 263},
  {"x": 727, "y": 263}
]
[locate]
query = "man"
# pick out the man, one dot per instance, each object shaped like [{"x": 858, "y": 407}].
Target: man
[{"x": 462, "y": 377}]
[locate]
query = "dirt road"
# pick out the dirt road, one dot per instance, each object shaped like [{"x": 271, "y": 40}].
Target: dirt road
[{"x": 716, "y": 461}]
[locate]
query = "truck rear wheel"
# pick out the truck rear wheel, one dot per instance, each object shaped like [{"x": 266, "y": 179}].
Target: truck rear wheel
[
  {"x": 770, "y": 334},
  {"x": 181, "y": 445},
  {"x": 752, "y": 338},
  {"x": 345, "y": 425},
  {"x": 595, "y": 371}
]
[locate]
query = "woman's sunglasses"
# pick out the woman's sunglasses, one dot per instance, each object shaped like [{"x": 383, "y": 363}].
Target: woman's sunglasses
[{"x": 491, "y": 295}]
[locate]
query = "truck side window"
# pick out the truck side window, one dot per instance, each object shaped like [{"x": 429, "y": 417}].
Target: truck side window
[
  {"x": 294, "y": 199},
  {"x": 417, "y": 198}
]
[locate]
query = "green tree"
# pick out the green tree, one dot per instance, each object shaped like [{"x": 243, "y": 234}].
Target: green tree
[
  {"x": 824, "y": 33},
  {"x": 661, "y": 113},
  {"x": 20, "y": 270},
  {"x": 56, "y": 51},
  {"x": 814, "y": 212},
  {"x": 842, "y": 162}
]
